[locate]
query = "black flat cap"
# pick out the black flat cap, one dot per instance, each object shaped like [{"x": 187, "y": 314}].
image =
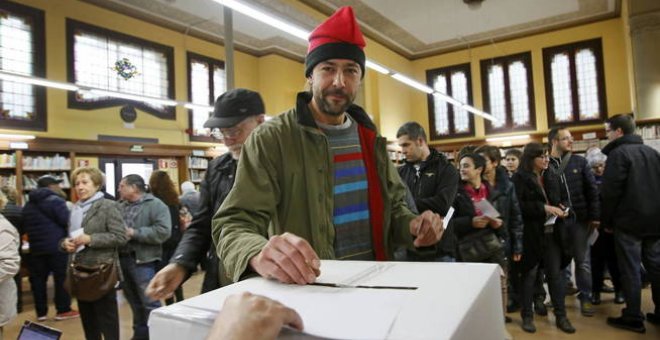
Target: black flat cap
[
  {"x": 233, "y": 106},
  {"x": 47, "y": 180}
]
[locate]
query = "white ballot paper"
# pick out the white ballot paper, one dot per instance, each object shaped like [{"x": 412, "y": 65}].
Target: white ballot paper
[
  {"x": 445, "y": 221},
  {"x": 487, "y": 209},
  {"x": 340, "y": 312},
  {"x": 75, "y": 234},
  {"x": 551, "y": 220}
]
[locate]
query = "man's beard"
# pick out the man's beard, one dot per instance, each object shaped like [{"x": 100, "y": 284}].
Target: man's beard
[{"x": 328, "y": 107}]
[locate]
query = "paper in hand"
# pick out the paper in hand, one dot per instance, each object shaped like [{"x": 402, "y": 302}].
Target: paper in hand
[
  {"x": 487, "y": 209},
  {"x": 551, "y": 220},
  {"x": 75, "y": 234},
  {"x": 445, "y": 220}
]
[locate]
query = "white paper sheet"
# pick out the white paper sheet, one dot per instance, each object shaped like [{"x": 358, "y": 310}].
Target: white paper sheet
[
  {"x": 75, "y": 234},
  {"x": 487, "y": 209},
  {"x": 447, "y": 218},
  {"x": 340, "y": 313}
]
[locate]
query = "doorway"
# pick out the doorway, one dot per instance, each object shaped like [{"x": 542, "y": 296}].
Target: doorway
[{"x": 117, "y": 168}]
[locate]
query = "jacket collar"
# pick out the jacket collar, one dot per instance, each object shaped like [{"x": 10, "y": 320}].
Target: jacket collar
[
  {"x": 625, "y": 139},
  {"x": 306, "y": 118}
]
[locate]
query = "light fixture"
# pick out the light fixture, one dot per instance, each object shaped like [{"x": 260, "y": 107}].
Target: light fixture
[
  {"x": 302, "y": 34},
  {"x": 479, "y": 113},
  {"x": 192, "y": 106},
  {"x": 507, "y": 138},
  {"x": 265, "y": 18},
  {"x": 412, "y": 83},
  {"x": 114, "y": 94},
  {"x": 20, "y": 78},
  {"x": 16, "y": 137},
  {"x": 376, "y": 67},
  {"x": 447, "y": 98}
]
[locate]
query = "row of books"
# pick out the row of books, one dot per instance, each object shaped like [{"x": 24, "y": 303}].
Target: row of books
[
  {"x": 197, "y": 175},
  {"x": 30, "y": 181},
  {"x": 649, "y": 131},
  {"x": 7, "y": 160},
  {"x": 9, "y": 180},
  {"x": 55, "y": 162},
  {"x": 198, "y": 162}
]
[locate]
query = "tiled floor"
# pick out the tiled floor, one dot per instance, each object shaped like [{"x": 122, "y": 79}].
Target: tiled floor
[{"x": 587, "y": 328}]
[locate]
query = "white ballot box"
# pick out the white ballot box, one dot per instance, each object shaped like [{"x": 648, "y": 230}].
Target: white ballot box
[{"x": 364, "y": 300}]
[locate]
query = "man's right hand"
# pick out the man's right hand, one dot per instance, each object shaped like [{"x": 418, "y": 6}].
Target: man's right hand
[
  {"x": 287, "y": 258},
  {"x": 167, "y": 280},
  {"x": 245, "y": 316}
]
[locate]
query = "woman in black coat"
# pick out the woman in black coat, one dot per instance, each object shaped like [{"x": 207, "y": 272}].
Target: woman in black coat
[
  {"x": 470, "y": 223},
  {"x": 540, "y": 197}
]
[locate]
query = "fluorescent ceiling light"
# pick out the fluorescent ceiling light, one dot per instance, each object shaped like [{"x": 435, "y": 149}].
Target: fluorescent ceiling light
[
  {"x": 507, "y": 138},
  {"x": 265, "y": 18},
  {"x": 192, "y": 106},
  {"x": 412, "y": 82},
  {"x": 154, "y": 100},
  {"x": 16, "y": 137},
  {"x": 302, "y": 34},
  {"x": 378, "y": 68},
  {"x": 480, "y": 113},
  {"x": 19, "y": 78},
  {"x": 447, "y": 98}
]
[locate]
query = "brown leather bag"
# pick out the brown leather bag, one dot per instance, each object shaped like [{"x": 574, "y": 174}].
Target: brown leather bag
[{"x": 90, "y": 283}]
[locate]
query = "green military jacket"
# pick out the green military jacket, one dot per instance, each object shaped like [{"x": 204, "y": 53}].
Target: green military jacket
[{"x": 284, "y": 183}]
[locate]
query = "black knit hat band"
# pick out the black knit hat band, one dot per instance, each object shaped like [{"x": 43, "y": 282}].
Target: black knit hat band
[{"x": 338, "y": 50}]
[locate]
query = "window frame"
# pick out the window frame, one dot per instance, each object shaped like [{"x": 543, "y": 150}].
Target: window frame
[
  {"x": 430, "y": 78},
  {"x": 72, "y": 26},
  {"x": 526, "y": 59},
  {"x": 190, "y": 57},
  {"x": 571, "y": 48},
  {"x": 39, "y": 122}
]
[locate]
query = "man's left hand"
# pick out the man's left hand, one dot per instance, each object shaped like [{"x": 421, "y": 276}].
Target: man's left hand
[{"x": 428, "y": 229}]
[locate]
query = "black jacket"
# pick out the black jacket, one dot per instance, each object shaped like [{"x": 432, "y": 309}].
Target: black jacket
[
  {"x": 532, "y": 206},
  {"x": 197, "y": 240},
  {"x": 631, "y": 187},
  {"x": 581, "y": 187},
  {"x": 506, "y": 203},
  {"x": 45, "y": 220},
  {"x": 434, "y": 189}
]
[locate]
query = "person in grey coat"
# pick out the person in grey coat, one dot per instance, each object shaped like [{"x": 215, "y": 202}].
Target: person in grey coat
[
  {"x": 10, "y": 263},
  {"x": 102, "y": 233},
  {"x": 148, "y": 225}
]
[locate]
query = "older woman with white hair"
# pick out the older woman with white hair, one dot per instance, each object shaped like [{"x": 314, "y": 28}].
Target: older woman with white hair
[
  {"x": 602, "y": 251},
  {"x": 10, "y": 263}
]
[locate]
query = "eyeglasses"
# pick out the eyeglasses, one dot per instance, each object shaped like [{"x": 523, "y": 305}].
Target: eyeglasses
[{"x": 233, "y": 132}]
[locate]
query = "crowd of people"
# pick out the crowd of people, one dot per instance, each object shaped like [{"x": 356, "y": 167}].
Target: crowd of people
[{"x": 316, "y": 183}]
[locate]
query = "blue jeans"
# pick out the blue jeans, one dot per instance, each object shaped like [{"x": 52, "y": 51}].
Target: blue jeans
[
  {"x": 136, "y": 279},
  {"x": 631, "y": 251},
  {"x": 578, "y": 233},
  {"x": 41, "y": 265}
]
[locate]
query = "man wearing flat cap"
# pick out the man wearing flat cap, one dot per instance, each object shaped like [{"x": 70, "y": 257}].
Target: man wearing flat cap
[
  {"x": 316, "y": 182},
  {"x": 236, "y": 113}
]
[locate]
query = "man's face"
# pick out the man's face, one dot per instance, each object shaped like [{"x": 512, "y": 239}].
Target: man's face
[
  {"x": 127, "y": 192},
  {"x": 511, "y": 162},
  {"x": 564, "y": 141},
  {"x": 411, "y": 149},
  {"x": 612, "y": 134},
  {"x": 235, "y": 136},
  {"x": 335, "y": 83}
]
